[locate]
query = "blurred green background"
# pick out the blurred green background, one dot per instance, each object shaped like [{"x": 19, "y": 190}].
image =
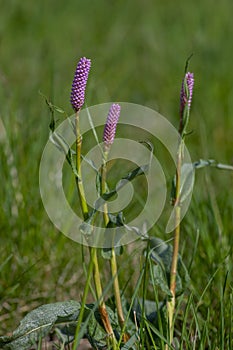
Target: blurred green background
[{"x": 138, "y": 51}]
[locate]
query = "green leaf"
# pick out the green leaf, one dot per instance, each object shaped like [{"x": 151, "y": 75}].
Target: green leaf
[
  {"x": 86, "y": 227},
  {"x": 59, "y": 142},
  {"x": 116, "y": 220},
  {"x": 131, "y": 327},
  {"x": 186, "y": 186},
  {"x": 160, "y": 279},
  {"x": 70, "y": 159},
  {"x": 161, "y": 254},
  {"x": 37, "y": 324},
  {"x": 66, "y": 333},
  {"x": 212, "y": 163},
  {"x": 132, "y": 343},
  {"x": 150, "y": 308},
  {"x": 52, "y": 109},
  {"x": 98, "y": 183},
  {"x": 141, "y": 232},
  {"x": 203, "y": 163},
  {"x": 51, "y": 106},
  {"x": 107, "y": 252},
  {"x": 141, "y": 170},
  {"x": 119, "y": 250},
  {"x": 129, "y": 177},
  {"x": 63, "y": 146},
  {"x": 186, "y": 182},
  {"x": 90, "y": 162},
  {"x": 188, "y": 175},
  {"x": 152, "y": 313},
  {"x": 95, "y": 329}
]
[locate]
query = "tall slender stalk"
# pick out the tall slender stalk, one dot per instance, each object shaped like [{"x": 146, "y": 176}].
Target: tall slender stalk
[
  {"x": 77, "y": 99},
  {"x": 83, "y": 302},
  {"x": 108, "y": 139},
  {"x": 185, "y": 104},
  {"x": 93, "y": 267},
  {"x": 113, "y": 261},
  {"x": 84, "y": 209},
  {"x": 173, "y": 271},
  {"x": 102, "y": 306},
  {"x": 79, "y": 181}
]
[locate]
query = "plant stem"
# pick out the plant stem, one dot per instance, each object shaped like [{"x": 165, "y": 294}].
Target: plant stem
[
  {"x": 83, "y": 302},
  {"x": 173, "y": 271},
  {"x": 99, "y": 294},
  {"x": 117, "y": 288},
  {"x": 79, "y": 182},
  {"x": 93, "y": 264},
  {"x": 113, "y": 261},
  {"x": 103, "y": 187},
  {"x": 84, "y": 209}
]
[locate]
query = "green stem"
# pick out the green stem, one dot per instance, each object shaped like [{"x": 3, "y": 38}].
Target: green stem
[
  {"x": 93, "y": 264},
  {"x": 113, "y": 261},
  {"x": 103, "y": 187},
  {"x": 84, "y": 209},
  {"x": 116, "y": 287},
  {"x": 99, "y": 294},
  {"x": 79, "y": 182},
  {"x": 96, "y": 276},
  {"x": 83, "y": 303},
  {"x": 173, "y": 271}
]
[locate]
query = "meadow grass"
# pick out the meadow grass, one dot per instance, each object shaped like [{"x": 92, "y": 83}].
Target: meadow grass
[{"x": 138, "y": 50}]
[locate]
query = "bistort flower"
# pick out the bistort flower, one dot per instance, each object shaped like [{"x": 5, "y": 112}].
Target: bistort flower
[
  {"x": 111, "y": 124},
  {"x": 77, "y": 97}
]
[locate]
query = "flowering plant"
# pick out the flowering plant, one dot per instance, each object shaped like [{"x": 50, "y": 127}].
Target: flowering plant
[{"x": 115, "y": 322}]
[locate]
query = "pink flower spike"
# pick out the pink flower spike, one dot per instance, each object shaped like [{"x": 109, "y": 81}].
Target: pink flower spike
[
  {"x": 111, "y": 124},
  {"x": 77, "y": 96}
]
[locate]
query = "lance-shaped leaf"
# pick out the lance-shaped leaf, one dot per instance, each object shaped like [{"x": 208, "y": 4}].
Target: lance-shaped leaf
[
  {"x": 38, "y": 323},
  {"x": 63, "y": 317},
  {"x": 186, "y": 182},
  {"x": 186, "y": 187},
  {"x": 87, "y": 226},
  {"x": 211, "y": 163},
  {"x": 161, "y": 254},
  {"x": 63, "y": 146},
  {"x": 52, "y": 109}
]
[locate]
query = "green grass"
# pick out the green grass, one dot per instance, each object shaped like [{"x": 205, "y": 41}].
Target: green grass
[{"x": 138, "y": 50}]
